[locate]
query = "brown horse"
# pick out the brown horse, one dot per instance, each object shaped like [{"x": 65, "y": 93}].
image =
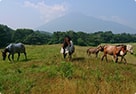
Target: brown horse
[
  {"x": 94, "y": 50},
  {"x": 67, "y": 47},
  {"x": 114, "y": 50}
]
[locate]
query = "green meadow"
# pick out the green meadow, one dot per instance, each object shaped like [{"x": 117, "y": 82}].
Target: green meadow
[{"x": 46, "y": 72}]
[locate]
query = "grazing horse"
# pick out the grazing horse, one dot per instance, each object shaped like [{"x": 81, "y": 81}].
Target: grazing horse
[
  {"x": 114, "y": 50},
  {"x": 94, "y": 50},
  {"x": 67, "y": 47},
  {"x": 12, "y": 49}
]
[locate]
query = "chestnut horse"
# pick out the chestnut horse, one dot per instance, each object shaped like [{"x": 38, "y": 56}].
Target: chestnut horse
[
  {"x": 113, "y": 50},
  {"x": 67, "y": 47},
  {"x": 12, "y": 49},
  {"x": 117, "y": 51}
]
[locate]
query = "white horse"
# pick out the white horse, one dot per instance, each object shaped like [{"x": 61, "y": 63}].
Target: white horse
[{"x": 12, "y": 49}]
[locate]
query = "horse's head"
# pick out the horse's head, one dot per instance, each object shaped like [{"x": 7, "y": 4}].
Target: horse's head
[
  {"x": 66, "y": 41},
  {"x": 100, "y": 48},
  {"x": 130, "y": 48},
  {"x": 4, "y": 55}
]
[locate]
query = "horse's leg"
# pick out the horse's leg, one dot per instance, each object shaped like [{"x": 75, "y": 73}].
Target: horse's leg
[
  {"x": 9, "y": 57},
  {"x": 103, "y": 57},
  {"x": 25, "y": 55},
  {"x": 18, "y": 56},
  {"x": 115, "y": 56},
  {"x": 116, "y": 59},
  {"x": 70, "y": 57},
  {"x": 13, "y": 57},
  {"x": 125, "y": 61},
  {"x": 64, "y": 54},
  {"x": 106, "y": 58},
  {"x": 97, "y": 54},
  {"x": 121, "y": 58}
]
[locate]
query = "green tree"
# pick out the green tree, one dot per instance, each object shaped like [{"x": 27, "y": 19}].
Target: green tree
[
  {"x": 5, "y": 35},
  {"x": 81, "y": 42},
  {"x": 20, "y": 34},
  {"x": 37, "y": 38}
]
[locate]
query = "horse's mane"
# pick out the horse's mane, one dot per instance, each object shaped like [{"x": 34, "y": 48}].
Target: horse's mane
[
  {"x": 69, "y": 38},
  {"x": 6, "y": 50},
  {"x": 120, "y": 45}
]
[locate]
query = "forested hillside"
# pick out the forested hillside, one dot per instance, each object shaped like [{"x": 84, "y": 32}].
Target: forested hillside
[{"x": 29, "y": 36}]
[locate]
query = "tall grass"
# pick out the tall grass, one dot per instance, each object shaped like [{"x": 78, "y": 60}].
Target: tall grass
[{"x": 46, "y": 72}]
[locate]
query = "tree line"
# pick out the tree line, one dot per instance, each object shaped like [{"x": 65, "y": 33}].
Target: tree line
[{"x": 31, "y": 37}]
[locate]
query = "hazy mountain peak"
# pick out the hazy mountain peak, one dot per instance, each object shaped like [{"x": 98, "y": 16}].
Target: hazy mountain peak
[{"x": 81, "y": 22}]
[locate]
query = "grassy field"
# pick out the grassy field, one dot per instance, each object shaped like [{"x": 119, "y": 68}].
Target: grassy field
[{"x": 46, "y": 72}]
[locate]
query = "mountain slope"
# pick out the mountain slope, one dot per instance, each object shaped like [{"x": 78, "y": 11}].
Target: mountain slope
[{"x": 80, "y": 22}]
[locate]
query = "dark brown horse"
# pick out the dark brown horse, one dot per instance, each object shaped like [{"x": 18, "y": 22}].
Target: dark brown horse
[
  {"x": 114, "y": 50},
  {"x": 67, "y": 47}
]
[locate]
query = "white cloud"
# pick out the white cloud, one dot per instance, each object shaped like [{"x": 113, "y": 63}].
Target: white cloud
[{"x": 48, "y": 12}]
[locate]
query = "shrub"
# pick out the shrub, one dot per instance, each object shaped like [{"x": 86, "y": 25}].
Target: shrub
[{"x": 66, "y": 69}]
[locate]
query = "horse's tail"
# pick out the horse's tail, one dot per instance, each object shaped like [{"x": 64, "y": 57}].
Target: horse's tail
[
  {"x": 23, "y": 47},
  {"x": 87, "y": 51},
  {"x": 71, "y": 47}
]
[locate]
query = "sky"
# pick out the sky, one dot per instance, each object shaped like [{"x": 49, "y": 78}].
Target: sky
[{"x": 34, "y": 13}]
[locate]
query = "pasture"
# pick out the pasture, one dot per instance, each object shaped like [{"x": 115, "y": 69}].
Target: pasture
[{"x": 46, "y": 72}]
